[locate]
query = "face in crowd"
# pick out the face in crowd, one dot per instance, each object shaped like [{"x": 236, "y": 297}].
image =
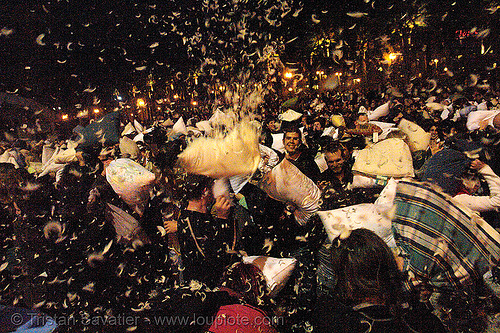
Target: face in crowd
[
  {"x": 335, "y": 161},
  {"x": 291, "y": 141},
  {"x": 362, "y": 120}
]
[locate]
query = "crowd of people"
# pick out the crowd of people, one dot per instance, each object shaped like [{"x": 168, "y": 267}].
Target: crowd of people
[{"x": 171, "y": 254}]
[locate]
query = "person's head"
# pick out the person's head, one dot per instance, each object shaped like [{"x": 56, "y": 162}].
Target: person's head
[
  {"x": 335, "y": 157},
  {"x": 273, "y": 125},
  {"x": 366, "y": 269},
  {"x": 292, "y": 137},
  {"x": 319, "y": 124},
  {"x": 434, "y": 132},
  {"x": 470, "y": 182},
  {"x": 248, "y": 281},
  {"x": 197, "y": 187},
  {"x": 361, "y": 120}
]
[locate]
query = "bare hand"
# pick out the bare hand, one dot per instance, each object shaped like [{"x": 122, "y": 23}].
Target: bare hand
[
  {"x": 477, "y": 165},
  {"x": 222, "y": 207},
  {"x": 170, "y": 226}
]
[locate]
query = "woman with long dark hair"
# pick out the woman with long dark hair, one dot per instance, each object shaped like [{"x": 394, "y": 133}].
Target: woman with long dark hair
[{"x": 367, "y": 295}]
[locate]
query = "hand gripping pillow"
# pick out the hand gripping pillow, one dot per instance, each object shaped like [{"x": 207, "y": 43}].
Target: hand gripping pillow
[
  {"x": 286, "y": 183},
  {"x": 131, "y": 181},
  {"x": 268, "y": 160},
  {"x": 418, "y": 139},
  {"x": 389, "y": 157},
  {"x": 276, "y": 271},
  {"x": 235, "y": 154},
  {"x": 368, "y": 216}
]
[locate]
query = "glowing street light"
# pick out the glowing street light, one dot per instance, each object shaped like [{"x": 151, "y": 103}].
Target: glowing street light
[
  {"x": 176, "y": 96},
  {"x": 194, "y": 103},
  {"x": 141, "y": 103},
  {"x": 96, "y": 111},
  {"x": 393, "y": 56},
  {"x": 288, "y": 75},
  {"x": 64, "y": 117}
]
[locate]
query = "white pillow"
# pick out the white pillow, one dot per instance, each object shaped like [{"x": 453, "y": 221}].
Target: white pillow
[
  {"x": 286, "y": 183},
  {"x": 359, "y": 181},
  {"x": 386, "y": 197},
  {"x": 235, "y": 154},
  {"x": 129, "y": 129},
  {"x": 180, "y": 127},
  {"x": 139, "y": 128},
  {"x": 389, "y": 157},
  {"x": 131, "y": 181},
  {"x": 278, "y": 142},
  {"x": 128, "y": 146},
  {"x": 290, "y": 115},
  {"x": 66, "y": 156},
  {"x": 386, "y": 128},
  {"x": 47, "y": 153},
  {"x": 381, "y": 111},
  {"x": 418, "y": 139},
  {"x": 321, "y": 162},
  {"x": 475, "y": 118},
  {"x": 368, "y": 216},
  {"x": 204, "y": 126},
  {"x": 276, "y": 271}
]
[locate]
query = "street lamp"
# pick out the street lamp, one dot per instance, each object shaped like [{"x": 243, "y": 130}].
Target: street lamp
[
  {"x": 288, "y": 75},
  {"x": 141, "y": 103}
]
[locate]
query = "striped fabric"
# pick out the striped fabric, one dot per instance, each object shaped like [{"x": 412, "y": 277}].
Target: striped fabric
[{"x": 444, "y": 243}]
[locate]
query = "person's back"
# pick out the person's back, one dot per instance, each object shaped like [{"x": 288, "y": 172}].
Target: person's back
[
  {"x": 366, "y": 291},
  {"x": 204, "y": 240}
]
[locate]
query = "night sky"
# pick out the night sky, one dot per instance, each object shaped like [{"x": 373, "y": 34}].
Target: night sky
[{"x": 66, "y": 53}]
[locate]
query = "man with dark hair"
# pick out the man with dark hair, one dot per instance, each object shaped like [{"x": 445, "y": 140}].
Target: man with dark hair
[
  {"x": 338, "y": 172},
  {"x": 204, "y": 239},
  {"x": 299, "y": 155}
]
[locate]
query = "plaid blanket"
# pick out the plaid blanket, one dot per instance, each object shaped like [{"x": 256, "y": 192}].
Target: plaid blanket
[{"x": 444, "y": 243}]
